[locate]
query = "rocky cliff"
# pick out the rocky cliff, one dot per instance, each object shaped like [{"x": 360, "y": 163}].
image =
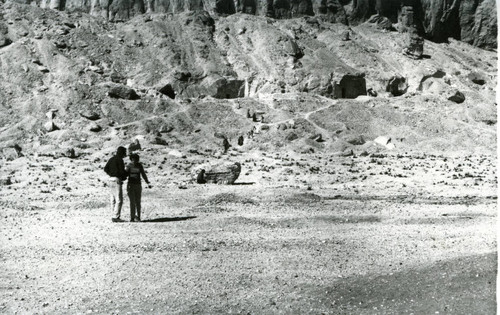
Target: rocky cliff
[{"x": 472, "y": 21}]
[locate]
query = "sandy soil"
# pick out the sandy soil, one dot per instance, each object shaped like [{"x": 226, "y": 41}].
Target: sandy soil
[{"x": 301, "y": 234}]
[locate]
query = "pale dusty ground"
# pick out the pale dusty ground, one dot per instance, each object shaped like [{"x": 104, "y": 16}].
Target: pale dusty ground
[{"x": 364, "y": 235}]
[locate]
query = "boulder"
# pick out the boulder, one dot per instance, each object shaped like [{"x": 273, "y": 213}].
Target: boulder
[
  {"x": 291, "y": 136},
  {"x": 292, "y": 49},
  {"x": 355, "y": 140},
  {"x": 317, "y": 137},
  {"x": 168, "y": 90},
  {"x": 135, "y": 146},
  {"x": 159, "y": 140},
  {"x": 10, "y": 154},
  {"x": 283, "y": 126},
  {"x": 165, "y": 129},
  {"x": 385, "y": 141},
  {"x": 397, "y": 85},
  {"x": 220, "y": 135},
  {"x": 90, "y": 115},
  {"x": 5, "y": 181},
  {"x": 381, "y": 22},
  {"x": 477, "y": 78},
  {"x": 346, "y": 36},
  {"x": 69, "y": 153},
  {"x": 457, "y": 97},
  {"x": 122, "y": 91},
  {"x": 218, "y": 173},
  {"x": 43, "y": 69},
  {"x": 4, "y": 40},
  {"x": 176, "y": 153},
  {"x": 347, "y": 152},
  {"x": 414, "y": 45},
  {"x": 51, "y": 114},
  {"x": 94, "y": 127},
  {"x": 372, "y": 92},
  {"x": 50, "y": 126}
]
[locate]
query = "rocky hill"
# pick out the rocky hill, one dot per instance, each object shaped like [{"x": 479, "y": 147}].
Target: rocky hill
[{"x": 74, "y": 82}]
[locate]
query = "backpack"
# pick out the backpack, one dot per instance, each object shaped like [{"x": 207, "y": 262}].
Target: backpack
[{"x": 107, "y": 168}]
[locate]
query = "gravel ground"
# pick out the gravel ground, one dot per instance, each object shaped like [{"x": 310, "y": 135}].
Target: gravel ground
[{"x": 419, "y": 241}]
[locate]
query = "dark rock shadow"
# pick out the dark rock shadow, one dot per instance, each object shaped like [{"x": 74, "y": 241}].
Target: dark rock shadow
[
  {"x": 169, "y": 219},
  {"x": 247, "y": 183}
]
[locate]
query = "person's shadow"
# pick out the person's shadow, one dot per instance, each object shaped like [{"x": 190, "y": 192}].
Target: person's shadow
[{"x": 169, "y": 219}]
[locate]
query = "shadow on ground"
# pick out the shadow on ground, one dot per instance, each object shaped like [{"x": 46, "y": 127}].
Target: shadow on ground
[
  {"x": 169, "y": 219},
  {"x": 463, "y": 285}
]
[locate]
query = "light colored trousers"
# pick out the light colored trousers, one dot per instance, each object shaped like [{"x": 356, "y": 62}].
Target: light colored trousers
[
  {"x": 134, "y": 192},
  {"x": 116, "y": 191}
]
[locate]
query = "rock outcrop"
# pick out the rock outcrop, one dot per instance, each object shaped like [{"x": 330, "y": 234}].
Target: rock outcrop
[
  {"x": 471, "y": 21},
  {"x": 350, "y": 86}
]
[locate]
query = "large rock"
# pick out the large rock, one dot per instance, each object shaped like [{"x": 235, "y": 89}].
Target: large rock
[
  {"x": 225, "y": 87},
  {"x": 50, "y": 126},
  {"x": 397, "y": 85},
  {"x": 381, "y": 22},
  {"x": 385, "y": 142},
  {"x": 10, "y": 153},
  {"x": 219, "y": 173},
  {"x": 331, "y": 11},
  {"x": 414, "y": 45},
  {"x": 350, "y": 86},
  {"x": 4, "y": 39},
  {"x": 457, "y": 97},
  {"x": 121, "y": 91}
]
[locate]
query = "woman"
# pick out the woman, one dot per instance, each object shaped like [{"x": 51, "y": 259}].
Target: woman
[{"x": 134, "y": 188}]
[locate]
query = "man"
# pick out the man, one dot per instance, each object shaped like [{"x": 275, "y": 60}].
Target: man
[{"x": 115, "y": 168}]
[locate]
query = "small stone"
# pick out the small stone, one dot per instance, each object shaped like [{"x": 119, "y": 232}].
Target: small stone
[
  {"x": 95, "y": 127},
  {"x": 50, "y": 126},
  {"x": 458, "y": 97}
]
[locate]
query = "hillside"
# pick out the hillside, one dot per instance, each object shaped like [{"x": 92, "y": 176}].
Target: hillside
[{"x": 186, "y": 77}]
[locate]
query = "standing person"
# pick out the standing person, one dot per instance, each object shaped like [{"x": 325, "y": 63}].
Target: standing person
[
  {"x": 115, "y": 168},
  {"x": 225, "y": 145},
  {"x": 134, "y": 188}
]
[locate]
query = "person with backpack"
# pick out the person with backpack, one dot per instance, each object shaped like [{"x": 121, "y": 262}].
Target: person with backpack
[
  {"x": 134, "y": 188},
  {"x": 115, "y": 168}
]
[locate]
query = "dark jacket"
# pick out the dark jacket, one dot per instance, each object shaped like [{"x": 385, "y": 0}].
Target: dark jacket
[
  {"x": 116, "y": 168},
  {"x": 135, "y": 171}
]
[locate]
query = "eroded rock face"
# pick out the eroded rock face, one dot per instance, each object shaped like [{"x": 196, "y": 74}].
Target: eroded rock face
[
  {"x": 350, "y": 86},
  {"x": 414, "y": 45},
  {"x": 332, "y": 11},
  {"x": 471, "y": 21}
]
